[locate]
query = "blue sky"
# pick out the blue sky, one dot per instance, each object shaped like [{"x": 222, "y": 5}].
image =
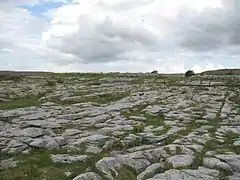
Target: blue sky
[
  {"x": 40, "y": 8},
  {"x": 109, "y": 35}
]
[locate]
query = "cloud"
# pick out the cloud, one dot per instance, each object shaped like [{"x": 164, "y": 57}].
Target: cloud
[
  {"x": 120, "y": 35},
  {"x": 20, "y": 39},
  {"x": 211, "y": 29},
  {"x": 104, "y": 31}
]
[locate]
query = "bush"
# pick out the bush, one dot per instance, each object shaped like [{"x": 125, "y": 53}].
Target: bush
[
  {"x": 154, "y": 72},
  {"x": 189, "y": 73}
]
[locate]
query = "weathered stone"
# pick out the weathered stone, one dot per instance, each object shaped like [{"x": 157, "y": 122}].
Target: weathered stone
[
  {"x": 8, "y": 163},
  {"x": 60, "y": 140},
  {"x": 49, "y": 123},
  {"x": 71, "y": 132},
  {"x": 109, "y": 166},
  {"x": 231, "y": 160},
  {"x": 217, "y": 164},
  {"x": 178, "y": 161},
  {"x": 31, "y": 132},
  {"x": 207, "y": 171},
  {"x": 68, "y": 159},
  {"x": 88, "y": 176},
  {"x": 93, "y": 149},
  {"x": 175, "y": 174},
  {"x": 150, "y": 171},
  {"x": 138, "y": 164},
  {"x": 154, "y": 109},
  {"x": 52, "y": 144},
  {"x": 235, "y": 176},
  {"x": 39, "y": 143}
]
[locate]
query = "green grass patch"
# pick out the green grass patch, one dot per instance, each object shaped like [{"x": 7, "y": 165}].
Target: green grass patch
[
  {"x": 94, "y": 83},
  {"x": 167, "y": 166},
  {"x": 126, "y": 173},
  {"x": 236, "y": 100},
  {"x": 135, "y": 111},
  {"x": 101, "y": 99},
  {"x": 9, "y": 77},
  {"x": 155, "y": 121},
  {"x": 21, "y": 102},
  {"x": 50, "y": 83},
  {"x": 83, "y": 75},
  {"x": 38, "y": 165},
  {"x": 139, "y": 81},
  {"x": 106, "y": 98},
  {"x": 138, "y": 129},
  {"x": 228, "y": 143}
]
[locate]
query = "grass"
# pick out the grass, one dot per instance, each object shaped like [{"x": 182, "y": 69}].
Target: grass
[
  {"x": 139, "y": 81},
  {"x": 167, "y": 166},
  {"x": 21, "y": 102},
  {"x": 172, "y": 80},
  {"x": 198, "y": 161},
  {"x": 9, "y": 77},
  {"x": 138, "y": 129},
  {"x": 106, "y": 98},
  {"x": 88, "y": 75},
  {"x": 171, "y": 138},
  {"x": 155, "y": 121},
  {"x": 126, "y": 173},
  {"x": 234, "y": 99},
  {"x": 50, "y": 83},
  {"x": 94, "y": 83},
  {"x": 38, "y": 165},
  {"x": 135, "y": 111},
  {"x": 228, "y": 143}
]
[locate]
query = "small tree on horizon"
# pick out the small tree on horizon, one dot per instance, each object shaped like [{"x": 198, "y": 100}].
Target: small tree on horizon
[
  {"x": 189, "y": 73},
  {"x": 154, "y": 72}
]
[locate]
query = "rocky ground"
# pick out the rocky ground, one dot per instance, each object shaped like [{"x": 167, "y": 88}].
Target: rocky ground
[{"x": 116, "y": 126}]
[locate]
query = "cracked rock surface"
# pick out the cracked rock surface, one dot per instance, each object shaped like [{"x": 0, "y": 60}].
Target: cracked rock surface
[{"x": 120, "y": 126}]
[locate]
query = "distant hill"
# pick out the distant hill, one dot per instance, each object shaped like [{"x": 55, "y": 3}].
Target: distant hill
[
  {"x": 35, "y": 73},
  {"x": 222, "y": 72},
  {"x": 17, "y": 73}
]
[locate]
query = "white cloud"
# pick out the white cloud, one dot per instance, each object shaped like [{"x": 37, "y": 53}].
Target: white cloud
[{"x": 121, "y": 35}]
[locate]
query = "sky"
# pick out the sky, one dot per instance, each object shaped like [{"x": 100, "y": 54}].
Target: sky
[{"x": 171, "y": 36}]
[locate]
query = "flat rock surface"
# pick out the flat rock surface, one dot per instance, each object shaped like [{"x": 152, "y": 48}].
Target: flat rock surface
[{"x": 120, "y": 126}]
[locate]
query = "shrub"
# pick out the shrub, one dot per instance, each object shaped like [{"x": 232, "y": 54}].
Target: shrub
[
  {"x": 154, "y": 72},
  {"x": 189, "y": 73}
]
